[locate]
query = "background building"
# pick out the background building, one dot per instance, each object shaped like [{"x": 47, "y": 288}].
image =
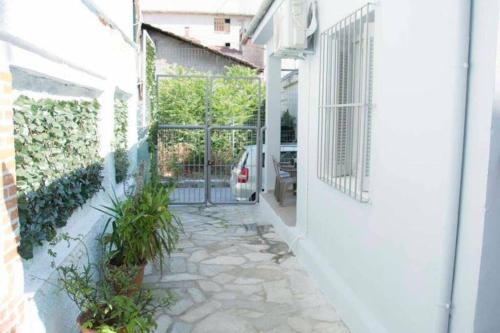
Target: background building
[
  {"x": 218, "y": 24},
  {"x": 172, "y": 49}
]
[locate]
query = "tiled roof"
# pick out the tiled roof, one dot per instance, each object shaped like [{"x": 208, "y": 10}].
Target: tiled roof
[{"x": 194, "y": 43}]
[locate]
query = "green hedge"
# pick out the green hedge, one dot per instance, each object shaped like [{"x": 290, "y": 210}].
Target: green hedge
[
  {"x": 58, "y": 165},
  {"x": 120, "y": 141}
]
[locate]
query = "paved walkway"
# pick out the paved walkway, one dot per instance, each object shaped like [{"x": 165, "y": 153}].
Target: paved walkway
[{"x": 232, "y": 274}]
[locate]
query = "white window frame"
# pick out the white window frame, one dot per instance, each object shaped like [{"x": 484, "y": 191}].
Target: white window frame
[{"x": 346, "y": 103}]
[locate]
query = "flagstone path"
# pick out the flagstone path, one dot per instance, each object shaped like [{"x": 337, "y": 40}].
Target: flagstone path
[{"x": 233, "y": 274}]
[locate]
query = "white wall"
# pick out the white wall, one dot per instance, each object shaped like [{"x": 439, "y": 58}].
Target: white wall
[
  {"x": 386, "y": 264},
  {"x": 201, "y": 27},
  {"x": 272, "y": 74},
  {"x": 65, "y": 49},
  {"x": 118, "y": 11},
  {"x": 477, "y": 291}
]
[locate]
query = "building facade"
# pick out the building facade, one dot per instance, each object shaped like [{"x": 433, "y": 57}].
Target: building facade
[
  {"x": 172, "y": 50},
  {"x": 216, "y": 24},
  {"x": 398, "y": 194}
]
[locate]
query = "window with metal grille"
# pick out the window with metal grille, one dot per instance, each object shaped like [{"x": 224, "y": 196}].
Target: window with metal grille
[
  {"x": 222, "y": 24},
  {"x": 345, "y": 103}
]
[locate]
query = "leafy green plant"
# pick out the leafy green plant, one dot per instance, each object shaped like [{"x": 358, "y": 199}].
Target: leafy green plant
[
  {"x": 120, "y": 141},
  {"x": 150, "y": 132},
  {"x": 101, "y": 308},
  {"x": 235, "y": 98},
  {"x": 182, "y": 99},
  {"x": 58, "y": 166},
  {"x": 142, "y": 227},
  {"x": 151, "y": 76}
]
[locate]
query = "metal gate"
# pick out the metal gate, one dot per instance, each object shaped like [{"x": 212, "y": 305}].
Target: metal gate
[{"x": 209, "y": 138}]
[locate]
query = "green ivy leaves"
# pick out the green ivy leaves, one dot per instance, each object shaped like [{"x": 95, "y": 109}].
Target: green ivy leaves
[
  {"x": 151, "y": 76},
  {"x": 58, "y": 166},
  {"x": 120, "y": 142}
]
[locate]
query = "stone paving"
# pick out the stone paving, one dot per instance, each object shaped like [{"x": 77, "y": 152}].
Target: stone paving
[{"x": 232, "y": 273}]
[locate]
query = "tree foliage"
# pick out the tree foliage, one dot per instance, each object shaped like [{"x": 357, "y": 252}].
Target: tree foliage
[{"x": 232, "y": 100}]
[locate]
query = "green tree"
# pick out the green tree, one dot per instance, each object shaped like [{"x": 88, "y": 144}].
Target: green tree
[{"x": 183, "y": 99}]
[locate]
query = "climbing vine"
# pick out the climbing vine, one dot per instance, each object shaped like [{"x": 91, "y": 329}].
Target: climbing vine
[
  {"x": 151, "y": 77},
  {"x": 151, "y": 95},
  {"x": 120, "y": 140},
  {"x": 58, "y": 166}
]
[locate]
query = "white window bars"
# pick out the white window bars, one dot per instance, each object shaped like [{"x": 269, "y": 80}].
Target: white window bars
[{"x": 345, "y": 103}]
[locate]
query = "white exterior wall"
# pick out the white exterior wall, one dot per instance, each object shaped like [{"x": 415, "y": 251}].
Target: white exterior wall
[
  {"x": 120, "y": 12},
  {"x": 272, "y": 74},
  {"x": 62, "y": 49},
  {"x": 477, "y": 291},
  {"x": 387, "y": 265},
  {"x": 201, "y": 27}
]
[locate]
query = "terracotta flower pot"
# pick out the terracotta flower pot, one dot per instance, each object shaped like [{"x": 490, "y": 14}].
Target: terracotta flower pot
[
  {"x": 87, "y": 330},
  {"x": 140, "y": 276},
  {"x": 135, "y": 283},
  {"x": 79, "y": 320}
]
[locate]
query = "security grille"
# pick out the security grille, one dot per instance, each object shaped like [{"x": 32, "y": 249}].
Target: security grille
[{"x": 345, "y": 103}]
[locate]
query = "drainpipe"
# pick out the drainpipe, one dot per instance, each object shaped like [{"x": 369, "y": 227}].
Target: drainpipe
[{"x": 468, "y": 10}]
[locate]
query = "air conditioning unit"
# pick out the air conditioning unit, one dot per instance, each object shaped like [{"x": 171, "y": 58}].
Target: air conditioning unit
[{"x": 294, "y": 25}]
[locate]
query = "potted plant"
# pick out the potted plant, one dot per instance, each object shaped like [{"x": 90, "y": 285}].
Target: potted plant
[
  {"x": 102, "y": 309},
  {"x": 142, "y": 229}
]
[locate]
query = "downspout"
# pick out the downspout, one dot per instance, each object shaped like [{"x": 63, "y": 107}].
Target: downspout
[{"x": 468, "y": 19}]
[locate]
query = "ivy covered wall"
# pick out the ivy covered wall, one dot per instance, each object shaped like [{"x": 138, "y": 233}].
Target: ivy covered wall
[
  {"x": 147, "y": 130},
  {"x": 120, "y": 140},
  {"x": 151, "y": 77},
  {"x": 58, "y": 165}
]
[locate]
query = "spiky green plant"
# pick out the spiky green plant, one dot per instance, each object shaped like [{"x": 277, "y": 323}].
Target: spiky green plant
[{"x": 142, "y": 227}]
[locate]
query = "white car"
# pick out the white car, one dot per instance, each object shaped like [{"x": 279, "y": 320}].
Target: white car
[{"x": 244, "y": 173}]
